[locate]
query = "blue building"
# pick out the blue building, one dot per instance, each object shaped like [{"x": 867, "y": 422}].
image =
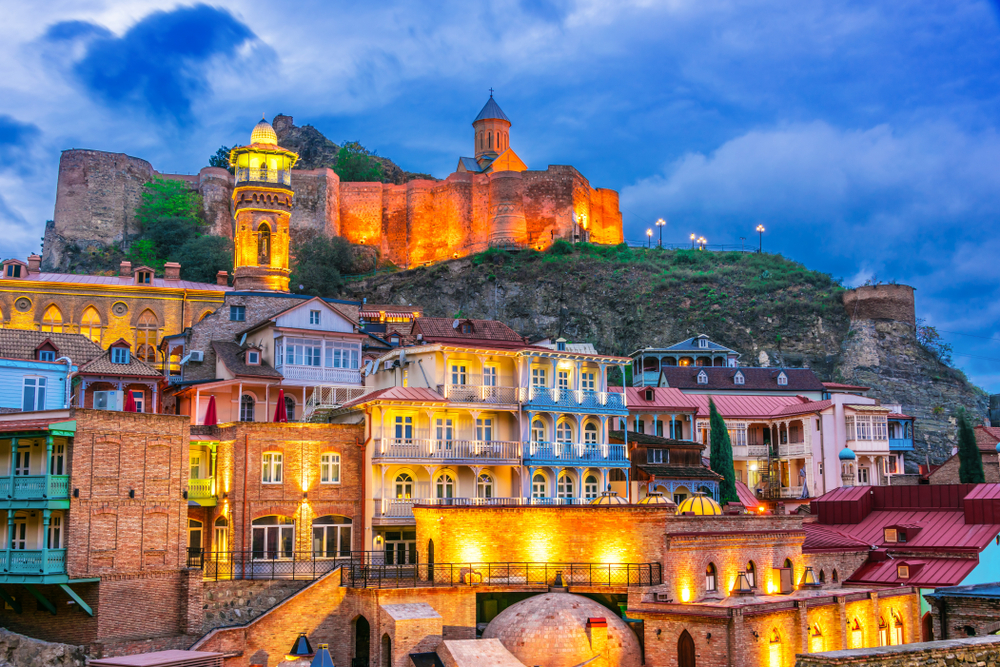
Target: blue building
[{"x": 35, "y": 366}]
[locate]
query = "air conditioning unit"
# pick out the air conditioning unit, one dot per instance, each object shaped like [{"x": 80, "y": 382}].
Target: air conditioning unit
[
  {"x": 196, "y": 355},
  {"x": 109, "y": 400}
]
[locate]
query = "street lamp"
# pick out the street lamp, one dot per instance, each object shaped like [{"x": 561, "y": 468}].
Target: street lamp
[
  {"x": 649, "y": 238},
  {"x": 702, "y": 242},
  {"x": 693, "y": 237},
  {"x": 760, "y": 230},
  {"x": 660, "y": 223}
]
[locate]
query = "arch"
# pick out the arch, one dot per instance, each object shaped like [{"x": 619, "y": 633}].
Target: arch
[
  {"x": 52, "y": 320},
  {"x": 146, "y": 329},
  {"x": 272, "y": 537},
  {"x": 564, "y": 485},
  {"x": 816, "y": 642},
  {"x": 248, "y": 406},
  {"x": 751, "y": 571},
  {"x": 711, "y": 578},
  {"x": 883, "y": 632},
  {"x": 90, "y": 324},
  {"x": 386, "y": 651},
  {"x": 331, "y": 536},
  {"x": 539, "y": 430},
  {"x": 264, "y": 244},
  {"x": 822, "y": 576},
  {"x": 539, "y": 485},
  {"x": 927, "y": 627},
  {"x": 484, "y": 485},
  {"x": 195, "y": 540},
  {"x": 857, "y": 633},
  {"x": 617, "y": 475},
  {"x": 590, "y": 433},
  {"x": 444, "y": 486},
  {"x": 403, "y": 486},
  {"x": 564, "y": 431},
  {"x": 835, "y": 578},
  {"x": 362, "y": 640},
  {"x": 591, "y": 487},
  {"x": 774, "y": 649},
  {"x": 685, "y": 650},
  {"x": 896, "y": 631},
  {"x": 290, "y": 407}
]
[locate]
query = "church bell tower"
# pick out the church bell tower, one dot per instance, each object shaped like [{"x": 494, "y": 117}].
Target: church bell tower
[{"x": 262, "y": 200}]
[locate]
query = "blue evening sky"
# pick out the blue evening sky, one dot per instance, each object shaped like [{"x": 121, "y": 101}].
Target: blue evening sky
[{"x": 863, "y": 135}]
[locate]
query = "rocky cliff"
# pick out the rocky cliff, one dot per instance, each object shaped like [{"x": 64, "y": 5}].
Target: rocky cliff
[
  {"x": 773, "y": 311},
  {"x": 21, "y": 651}
]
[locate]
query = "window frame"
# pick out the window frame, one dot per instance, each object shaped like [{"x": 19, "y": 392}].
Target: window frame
[
  {"x": 119, "y": 353},
  {"x": 328, "y": 463},
  {"x": 272, "y": 468},
  {"x": 237, "y": 313},
  {"x": 39, "y": 388}
]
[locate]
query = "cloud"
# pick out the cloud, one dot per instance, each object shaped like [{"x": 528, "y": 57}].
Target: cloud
[
  {"x": 14, "y": 133},
  {"x": 160, "y": 64}
]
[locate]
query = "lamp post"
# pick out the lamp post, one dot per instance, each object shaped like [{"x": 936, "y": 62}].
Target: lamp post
[
  {"x": 760, "y": 230},
  {"x": 660, "y": 223},
  {"x": 693, "y": 237},
  {"x": 702, "y": 242},
  {"x": 649, "y": 238},
  {"x": 743, "y": 244}
]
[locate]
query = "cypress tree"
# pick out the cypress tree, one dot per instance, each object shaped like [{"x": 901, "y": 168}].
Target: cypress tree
[
  {"x": 970, "y": 461},
  {"x": 722, "y": 455}
]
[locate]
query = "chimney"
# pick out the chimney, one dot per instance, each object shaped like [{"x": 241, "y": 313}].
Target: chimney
[
  {"x": 125, "y": 271},
  {"x": 222, "y": 278},
  {"x": 597, "y": 628},
  {"x": 171, "y": 271},
  {"x": 779, "y": 508},
  {"x": 34, "y": 263}
]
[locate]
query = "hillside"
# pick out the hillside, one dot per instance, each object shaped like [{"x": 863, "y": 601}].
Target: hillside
[{"x": 772, "y": 310}]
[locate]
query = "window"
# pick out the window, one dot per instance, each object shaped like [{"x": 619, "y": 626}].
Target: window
[
  {"x": 710, "y": 578},
  {"x": 562, "y": 381},
  {"x": 404, "y": 486},
  {"x": 538, "y": 486},
  {"x": 890, "y": 465},
  {"x": 857, "y": 634},
  {"x": 253, "y": 357},
  {"x": 13, "y": 270},
  {"x": 138, "y": 397},
  {"x": 564, "y": 433},
  {"x": 896, "y": 634},
  {"x": 891, "y": 535},
  {"x": 19, "y": 536},
  {"x": 537, "y": 431},
  {"x": 290, "y": 408},
  {"x": 458, "y": 375},
  {"x": 774, "y": 649},
  {"x": 587, "y": 381},
  {"x": 314, "y": 317},
  {"x": 237, "y": 313},
  {"x": 271, "y": 468},
  {"x": 120, "y": 355},
  {"x": 782, "y": 380},
  {"x": 220, "y": 543},
  {"x": 738, "y": 378},
  {"x": 489, "y": 376},
  {"x": 90, "y": 324},
  {"x": 145, "y": 336},
  {"x": 404, "y": 428},
  {"x": 55, "y": 532},
  {"x": 564, "y": 487},
  {"x": 144, "y": 277},
  {"x": 306, "y": 352},
  {"x": 815, "y": 639},
  {"x": 273, "y": 538},
  {"x": 590, "y": 487},
  {"x": 752, "y": 574},
  {"x": 338, "y": 355},
  {"x": 264, "y": 241},
  {"x": 484, "y": 430},
  {"x": 329, "y": 468},
  {"x": 331, "y": 536},
  {"x": 22, "y": 462},
  {"x": 33, "y": 396},
  {"x": 883, "y": 632},
  {"x": 247, "y": 404},
  {"x": 445, "y": 433},
  {"x": 57, "y": 463},
  {"x": 702, "y": 377},
  {"x": 902, "y": 571},
  {"x": 196, "y": 465},
  {"x": 46, "y": 355},
  {"x": 590, "y": 434},
  {"x": 863, "y": 476},
  {"x": 445, "y": 486},
  {"x": 52, "y": 321},
  {"x": 538, "y": 377},
  {"x": 467, "y": 327},
  {"x": 657, "y": 456},
  {"x": 484, "y": 486},
  {"x": 702, "y": 342}
]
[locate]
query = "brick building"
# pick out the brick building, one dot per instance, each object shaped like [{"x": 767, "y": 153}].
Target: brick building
[
  {"x": 987, "y": 440},
  {"x": 965, "y": 611}
]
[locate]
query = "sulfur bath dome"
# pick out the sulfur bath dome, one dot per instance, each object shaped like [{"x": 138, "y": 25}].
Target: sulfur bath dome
[{"x": 551, "y": 630}]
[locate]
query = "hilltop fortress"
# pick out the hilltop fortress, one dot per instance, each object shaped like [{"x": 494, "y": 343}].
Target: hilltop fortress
[{"x": 492, "y": 199}]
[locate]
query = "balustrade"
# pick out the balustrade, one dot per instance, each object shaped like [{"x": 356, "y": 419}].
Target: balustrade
[
  {"x": 200, "y": 488},
  {"x": 568, "y": 452},
  {"x": 33, "y": 561},
  {"x": 34, "y": 487},
  {"x": 320, "y": 374},
  {"x": 572, "y": 398},
  {"x": 428, "y": 448},
  {"x": 245, "y": 174},
  {"x": 475, "y": 392}
]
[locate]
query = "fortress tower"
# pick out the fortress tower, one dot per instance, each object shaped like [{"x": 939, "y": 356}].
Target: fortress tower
[{"x": 262, "y": 200}]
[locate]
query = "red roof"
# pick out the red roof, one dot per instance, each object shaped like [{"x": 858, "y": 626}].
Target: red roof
[
  {"x": 747, "y": 497},
  {"x": 941, "y": 529},
  {"x": 121, "y": 281},
  {"x": 987, "y": 438},
  {"x": 434, "y": 328},
  {"x": 400, "y": 394},
  {"x": 845, "y": 387},
  {"x": 924, "y": 572},
  {"x": 664, "y": 398},
  {"x": 749, "y": 407},
  {"x": 822, "y": 538}
]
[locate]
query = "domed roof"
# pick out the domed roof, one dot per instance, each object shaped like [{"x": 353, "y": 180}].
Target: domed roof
[
  {"x": 847, "y": 455},
  {"x": 655, "y": 498},
  {"x": 700, "y": 504},
  {"x": 609, "y": 498},
  {"x": 491, "y": 110},
  {"x": 263, "y": 133},
  {"x": 550, "y": 630}
]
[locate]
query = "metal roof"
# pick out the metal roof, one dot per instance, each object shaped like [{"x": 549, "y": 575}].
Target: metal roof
[
  {"x": 924, "y": 572},
  {"x": 121, "y": 281},
  {"x": 821, "y": 538},
  {"x": 491, "y": 110}
]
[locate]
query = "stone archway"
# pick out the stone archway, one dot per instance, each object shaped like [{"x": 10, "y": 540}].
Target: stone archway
[{"x": 362, "y": 641}]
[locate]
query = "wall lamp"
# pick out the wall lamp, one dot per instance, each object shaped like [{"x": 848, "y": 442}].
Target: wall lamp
[
  {"x": 131, "y": 493},
  {"x": 755, "y": 635}
]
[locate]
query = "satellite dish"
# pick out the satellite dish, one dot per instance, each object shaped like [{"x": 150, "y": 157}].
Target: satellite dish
[
  {"x": 243, "y": 339},
  {"x": 402, "y": 356},
  {"x": 454, "y": 325}
]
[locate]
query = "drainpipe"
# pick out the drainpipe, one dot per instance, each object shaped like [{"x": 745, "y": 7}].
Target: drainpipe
[{"x": 69, "y": 377}]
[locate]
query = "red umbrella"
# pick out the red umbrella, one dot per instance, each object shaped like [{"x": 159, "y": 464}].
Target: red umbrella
[
  {"x": 211, "y": 419},
  {"x": 280, "y": 415},
  {"x": 129, "y": 402}
]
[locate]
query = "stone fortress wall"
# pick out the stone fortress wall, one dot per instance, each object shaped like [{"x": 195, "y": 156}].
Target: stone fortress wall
[
  {"x": 881, "y": 302},
  {"x": 412, "y": 223}
]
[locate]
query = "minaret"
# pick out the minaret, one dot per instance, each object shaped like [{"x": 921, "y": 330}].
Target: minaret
[
  {"x": 847, "y": 462},
  {"x": 491, "y": 130},
  {"x": 262, "y": 200}
]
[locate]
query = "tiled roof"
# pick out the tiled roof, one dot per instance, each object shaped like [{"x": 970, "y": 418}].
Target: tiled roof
[
  {"x": 435, "y": 329},
  {"x": 120, "y": 281},
  {"x": 690, "y": 345},
  {"x": 679, "y": 472},
  {"x": 102, "y": 365},
  {"x": 748, "y": 407},
  {"x": 720, "y": 377},
  {"x": 230, "y": 355},
  {"x": 805, "y": 407},
  {"x": 491, "y": 110},
  {"x": 845, "y": 387},
  {"x": 987, "y": 437},
  {"x": 20, "y": 344},
  {"x": 400, "y": 394},
  {"x": 898, "y": 415}
]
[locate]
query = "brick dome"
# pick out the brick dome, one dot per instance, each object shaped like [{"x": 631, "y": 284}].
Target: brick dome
[{"x": 551, "y": 630}]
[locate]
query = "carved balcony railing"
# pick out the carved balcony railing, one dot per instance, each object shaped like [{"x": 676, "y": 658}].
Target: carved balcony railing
[
  {"x": 571, "y": 453},
  {"x": 448, "y": 450},
  {"x": 247, "y": 175},
  {"x": 552, "y": 397}
]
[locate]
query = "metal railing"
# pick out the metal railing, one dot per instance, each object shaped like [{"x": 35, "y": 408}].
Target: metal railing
[
  {"x": 573, "y": 398},
  {"x": 34, "y": 487},
  {"x": 428, "y": 448},
  {"x": 345, "y": 376},
  {"x": 245, "y": 174},
  {"x": 575, "y": 452},
  {"x": 402, "y": 508},
  {"x": 502, "y": 574},
  {"x": 33, "y": 561},
  {"x": 328, "y": 397},
  {"x": 267, "y": 565}
]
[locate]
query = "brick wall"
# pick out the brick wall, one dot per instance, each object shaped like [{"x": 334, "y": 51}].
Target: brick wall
[
  {"x": 955, "y": 616},
  {"x": 837, "y": 566},
  {"x": 981, "y": 651},
  {"x": 948, "y": 472}
]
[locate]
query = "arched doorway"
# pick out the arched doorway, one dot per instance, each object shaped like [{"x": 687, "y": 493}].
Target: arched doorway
[
  {"x": 430, "y": 559},
  {"x": 685, "y": 650},
  {"x": 362, "y": 642},
  {"x": 386, "y": 651}
]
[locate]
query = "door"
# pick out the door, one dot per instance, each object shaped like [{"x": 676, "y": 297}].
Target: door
[
  {"x": 194, "y": 542},
  {"x": 19, "y": 536},
  {"x": 22, "y": 462},
  {"x": 685, "y": 650},
  {"x": 400, "y": 547},
  {"x": 57, "y": 464}
]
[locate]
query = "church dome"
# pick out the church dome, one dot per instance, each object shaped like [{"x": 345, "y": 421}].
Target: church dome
[
  {"x": 847, "y": 455},
  {"x": 491, "y": 111},
  {"x": 700, "y": 504},
  {"x": 550, "y": 630},
  {"x": 263, "y": 133}
]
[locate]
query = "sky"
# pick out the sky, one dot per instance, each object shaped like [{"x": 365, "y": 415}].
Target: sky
[{"x": 864, "y": 136}]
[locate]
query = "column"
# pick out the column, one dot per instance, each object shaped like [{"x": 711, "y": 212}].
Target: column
[
  {"x": 49, "y": 442},
  {"x": 579, "y": 478},
  {"x": 46, "y": 518},
  {"x": 215, "y": 481},
  {"x": 10, "y": 488}
]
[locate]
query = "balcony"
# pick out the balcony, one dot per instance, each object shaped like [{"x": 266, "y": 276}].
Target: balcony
[
  {"x": 546, "y": 398},
  {"x": 900, "y": 444},
  {"x": 400, "y": 510},
  {"x": 345, "y": 376},
  {"x": 200, "y": 490},
  {"x": 793, "y": 449},
  {"x": 34, "y": 487},
  {"x": 869, "y": 446},
  {"x": 246, "y": 175},
  {"x": 33, "y": 563},
  {"x": 486, "y": 451},
  {"x": 475, "y": 392},
  {"x": 567, "y": 453}
]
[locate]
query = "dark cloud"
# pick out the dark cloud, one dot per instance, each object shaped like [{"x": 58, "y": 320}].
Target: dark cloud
[
  {"x": 158, "y": 63},
  {"x": 15, "y": 134}
]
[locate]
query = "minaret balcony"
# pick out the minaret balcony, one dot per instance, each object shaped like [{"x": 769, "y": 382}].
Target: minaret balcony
[{"x": 275, "y": 176}]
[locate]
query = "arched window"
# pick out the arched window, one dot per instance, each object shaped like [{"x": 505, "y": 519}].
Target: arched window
[
  {"x": 538, "y": 431},
  {"x": 752, "y": 574},
  {"x": 816, "y": 644},
  {"x": 484, "y": 486},
  {"x": 857, "y": 638},
  {"x": 538, "y": 486},
  {"x": 489, "y": 136},
  {"x": 564, "y": 433},
  {"x": 835, "y": 577},
  {"x": 145, "y": 336},
  {"x": 774, "y": 649},
  {"x": 273, "y": 537},
  {"x": 564, "y": 486},
  {"x": 711, "y": 581},
  {"x": 290, "y": 408},
  {"x": 404, "y": 486},
  {"x": 590, "y": 489},
  {"x": 220, "y": 540},
  {"x": 822, "y": 577},
  {"x": 247, "y": 404},
  {"x": 445, "y": 486},
  {"x": 331, "y": 536},
  {"x": 590, "y": 434},
  {"x": 883, "y": 632},
  {"x": 386, "y": 651},
  {"x": 264, "y": 245},
  {"x": 896, "y": 631},
  {"x": 52, "y": 321},
  {"x": 90, "y": 324}
]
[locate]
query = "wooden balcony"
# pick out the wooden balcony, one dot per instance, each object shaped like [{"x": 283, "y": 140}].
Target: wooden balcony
[
  {"x": 32, "y": 565},
  {"x": 547, "y": 398},
  {"x": 473, "y": 451},
  {"x": 568, "y": 454},
  {"x": 340, "y": 376},
  {"x": 34, "y": 488}
]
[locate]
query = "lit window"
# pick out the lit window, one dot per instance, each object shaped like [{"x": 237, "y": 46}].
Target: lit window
[
  {"x": 46, "y": 355},
  {"x": 271, "y": 468},
  {"x": 329, "y": 468},
  {"x": 702, "y": 377},
  {"x": 857, "y": 639},
  {"x": 896, "y": 634},
  {"x": 710, "y": 578},
  {"x": 815, "y": 639},
  {"x": 752, "y": 574},
  {"x": 484, "y": 486},
  {"x": 90, "y": 325},
  {"x": 782, "y": 379},
  {"x": 237, "y": 313},
  {"x": 774, "y": 649},
  {"x": 146, "y": 336},
  {"x": 538, "y": 486},
  {"x": 891, "y": 535},
  {"x": 52, "y": 321},
  {"x": 445, "y": 486},
  {"x": 738, "y": 378},
  {"x": 120, "y": 355},
  {"x": 903, "y": 571},
  {"x": 314, "y": 317},
  {"x": 404, "y": 486}
]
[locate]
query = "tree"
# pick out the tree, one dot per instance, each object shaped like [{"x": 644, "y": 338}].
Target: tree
[
  {"x": 929, "y": 337},
  {"x": 168, "y": 215},
  {"x": 204, "y": 256},
  {"x": 221, "y": 159},
  {"x": 970, "y": 461},
  {"x": 722, "y": 455},
  {"x": 319, "y": 263},
  {"x": 355, "y": 164}
]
